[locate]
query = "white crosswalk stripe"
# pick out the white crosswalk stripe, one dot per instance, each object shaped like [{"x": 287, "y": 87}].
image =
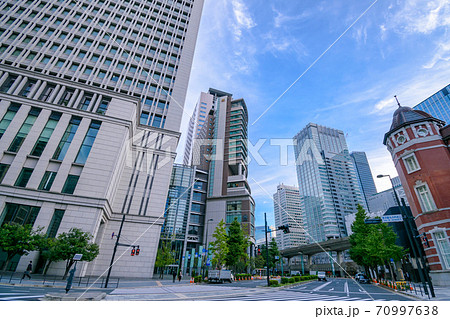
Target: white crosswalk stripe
[
  {"x": 286, "y": 295},
  {"x": 20, "y": 298}
]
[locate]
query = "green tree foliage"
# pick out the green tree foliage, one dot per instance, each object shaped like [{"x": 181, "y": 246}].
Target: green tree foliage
[
  {"x": 219, "y": 247},
  {"x": 373, "y": 244},
  {"x": 273, "y": 253},
  {"x": 236, "y": 257},
  {"x": 164, "y": 257},
  {"x": 19, "y": 240},
  {"x": 68, "y": 244},
  {"x": 260, "y": 261}
]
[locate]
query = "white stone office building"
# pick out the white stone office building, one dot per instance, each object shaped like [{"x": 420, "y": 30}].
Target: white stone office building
[
  {"x": 91, "y": 98},
  {"x": 287, "y": 211}
]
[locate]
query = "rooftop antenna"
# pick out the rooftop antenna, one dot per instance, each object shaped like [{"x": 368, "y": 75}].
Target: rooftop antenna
[{"x": 397, "y": 101}]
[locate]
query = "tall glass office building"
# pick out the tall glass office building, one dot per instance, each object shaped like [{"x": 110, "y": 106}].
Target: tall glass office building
[
  {"x": 437, "y": 105},
  {"x": 91, "y": 101},
  {"x": 327, "y": 181},
  {"x": 364, "y": 174}
]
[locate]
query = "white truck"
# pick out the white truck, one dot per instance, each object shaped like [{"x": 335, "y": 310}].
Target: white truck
[{"x": 220, "y": 276}]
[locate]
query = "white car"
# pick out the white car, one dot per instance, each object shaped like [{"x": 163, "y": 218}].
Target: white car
[{"x": 321, "y": 276}]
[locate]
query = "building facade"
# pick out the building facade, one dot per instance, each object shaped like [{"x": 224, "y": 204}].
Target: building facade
[
  {"x": 364, "y": 174},
  {"x": 419, "y": 147},
  {"x": 91, "y": 103},
  {"x": 437, "y": 105},
  {"x": 382, "y": 201},
  {"x": 328, "y": 184},
  {"x": 287, "y": 211}
]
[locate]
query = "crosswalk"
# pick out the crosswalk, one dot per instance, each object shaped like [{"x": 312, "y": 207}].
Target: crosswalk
[
  {"x": 287, "y": 295},
  {"x": 19, "y": 296}
]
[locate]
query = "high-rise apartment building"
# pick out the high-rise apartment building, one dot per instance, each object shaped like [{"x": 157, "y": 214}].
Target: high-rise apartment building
[
  {"x": 287, "y": 211},
  {"x": 327, "y": 181},
  {"x": 91, "y": 100},
  {"x": 364, "y": 174},
  {"x": 437, "y": 105}
]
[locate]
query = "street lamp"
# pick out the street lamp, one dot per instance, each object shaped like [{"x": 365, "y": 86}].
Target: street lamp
[
  {"x": 412, "y": 241},
  {"x": 206, "y": 246}
]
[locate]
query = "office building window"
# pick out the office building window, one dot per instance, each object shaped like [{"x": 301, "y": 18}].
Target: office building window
[
  {"x": 411, "y": 163},
  {"x": 47, "y": 181},
  {"x": 27, "y": 88},
  {"x": 144, "y": 118},
  {"x": 24, "y": 177},
  {"x": 45, "y": 95},
  {"x": 53, "y": 227},
  {"x": 425, "y": 199},
  {"x": 88, "y": 141},
  {"x": 65, "y": 99},
  {"x": 103, "y": 106},
  {"x": 70, "y": 184},
  {"x": 45, "y": 134},
  {"x": 3, "y": 170},
  {"x": 67, "y": 138},
  {"x": 85, "y": 101},
  {"x": 24, "y": 130},
  {"x": 8, "y": 117},
  {"x": 442, "y": 242},
  {"x": 8, "y": 83},
  {"x": 19, "y": 214}
]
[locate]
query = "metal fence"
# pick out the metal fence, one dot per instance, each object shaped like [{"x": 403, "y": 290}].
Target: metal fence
[{"x": 53, "y": 280}]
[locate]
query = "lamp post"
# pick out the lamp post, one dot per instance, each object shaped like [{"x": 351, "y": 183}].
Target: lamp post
[
  {"x": 206, "y": 245},
  {"x": 413, "y": 242}
]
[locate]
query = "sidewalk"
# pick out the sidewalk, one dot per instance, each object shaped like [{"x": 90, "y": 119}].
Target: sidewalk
[{"x": 442, "y": 293}]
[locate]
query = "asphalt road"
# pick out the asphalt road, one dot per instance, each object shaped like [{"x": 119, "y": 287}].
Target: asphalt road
[{"x": 15, "y": 293}]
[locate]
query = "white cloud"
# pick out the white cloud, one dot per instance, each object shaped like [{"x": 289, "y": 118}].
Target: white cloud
[
  {"x": 243, "y": 18},
  {"x": 442, "y": 55},
  {"x": 418, "y": 16}
]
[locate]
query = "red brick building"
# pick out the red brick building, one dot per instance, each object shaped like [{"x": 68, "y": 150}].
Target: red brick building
[{"x": 419, "y": 145}]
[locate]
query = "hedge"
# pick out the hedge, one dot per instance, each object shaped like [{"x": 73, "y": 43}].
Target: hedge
[
  {"x": 291, "y": 280},
  {"x": 284, "y": 280},
  {"x": 273, "y": 283}
]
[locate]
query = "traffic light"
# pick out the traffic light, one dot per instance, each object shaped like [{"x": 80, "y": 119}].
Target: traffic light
[
  {"x": 259, "y": 251},
  {"x": 137, "y": 251},
  {"x": 425, "y": 239},
  {"x": 284, "y": 228},
  {"x": 133, "y": 251}
]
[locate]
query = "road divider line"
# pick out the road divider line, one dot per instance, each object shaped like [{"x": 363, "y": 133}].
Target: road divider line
[{"x": 321, "y": 286}]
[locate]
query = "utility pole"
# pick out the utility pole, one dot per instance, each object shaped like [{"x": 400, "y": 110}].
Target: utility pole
[
  {"x": 267, "y": 250},
  {"x": 114, "y": 251}
]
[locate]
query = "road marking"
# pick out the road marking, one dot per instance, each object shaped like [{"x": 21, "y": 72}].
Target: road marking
[
  {"x": 321, "y": 286},
  {"x": 12, "y": 293},
  {"x": 346, "y": 289},
  {"x": 159, "y": 283},
  {"x": 331, "y": 289},
  {"x": 21, "y": 297}
]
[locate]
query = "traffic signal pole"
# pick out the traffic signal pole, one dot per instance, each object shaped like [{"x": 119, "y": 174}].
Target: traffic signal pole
[
  {"x": 114, "y": 251},
  {"x": 267, "y": 250}
]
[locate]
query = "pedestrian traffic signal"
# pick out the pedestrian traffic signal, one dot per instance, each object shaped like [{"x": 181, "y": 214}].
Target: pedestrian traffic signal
[
  {"x": 133, "y": 251},
  {"x": 425, "y": 240},
  {"x": 259, "y": 251},
  {"x": 137, "y": 251}
]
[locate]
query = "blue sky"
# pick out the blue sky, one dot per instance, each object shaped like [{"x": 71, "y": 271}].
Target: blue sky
[{"x": 256, "y": 49}]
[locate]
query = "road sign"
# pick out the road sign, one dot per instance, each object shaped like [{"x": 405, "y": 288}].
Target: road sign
[
  {"x": 372, "y": 221},
  {"x": 203, "y": 250},
  {"x": 189, "y": 256},
  {"x": 196, "y": 255},
  {"x": 392, "y": 218},
  {"x": 77, "y": 257}
]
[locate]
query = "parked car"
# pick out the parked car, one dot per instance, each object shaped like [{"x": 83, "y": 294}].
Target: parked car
[
  {"x": 361, "y": 278},
  {"x": 220, "y": 276},
  {"x": 321, "y": 276}
]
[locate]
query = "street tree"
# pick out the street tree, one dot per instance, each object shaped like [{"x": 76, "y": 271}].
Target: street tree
[
  {"x": 237, "y": 242},
  {"x": 373, "y": 245},
  {"x": 273, "y": 253},
  {"x": 74, "y": 242},
  {"x": 164, "y": 257},
  {"x": 16, "y": 239},
  {"x": 219, "y": 247}
]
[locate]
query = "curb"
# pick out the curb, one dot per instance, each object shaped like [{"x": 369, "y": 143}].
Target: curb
[
  {"x": 401, "y": 292},
  {"x": 49, "y": 297}
]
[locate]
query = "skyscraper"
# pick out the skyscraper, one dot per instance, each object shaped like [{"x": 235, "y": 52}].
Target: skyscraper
[
  {"x": 92, "y": 96},
  {"x": 437, "y": 105},
  {"x": 327, "y": 181},
  {"x": 364, "y": 174},
  {"x": 220, "y": 148},
  {"x": 287, "y": 211}
]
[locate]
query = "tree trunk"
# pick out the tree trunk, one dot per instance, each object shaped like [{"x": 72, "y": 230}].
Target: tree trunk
[
  {"x": 7, "y": 261},
  {"x": 47, "y": 266},
  {"x": 391, "y": 271},
  {"x": 68, "y": 266}
]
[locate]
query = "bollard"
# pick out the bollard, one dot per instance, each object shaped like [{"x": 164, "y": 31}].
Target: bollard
[{"x": 117, "y": 286}]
